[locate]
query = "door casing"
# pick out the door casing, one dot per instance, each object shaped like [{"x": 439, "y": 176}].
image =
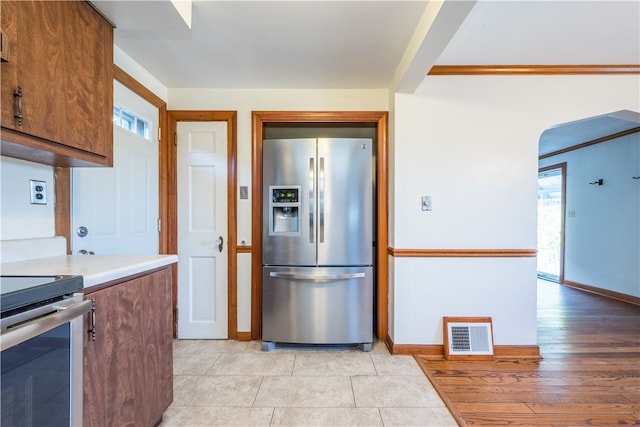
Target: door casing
[
  {"x": 169, "y": 197},
  {"x": 377, "y": 118}
]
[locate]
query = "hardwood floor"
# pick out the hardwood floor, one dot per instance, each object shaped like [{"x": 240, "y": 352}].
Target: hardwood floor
[{"x": 590, "y": 374}]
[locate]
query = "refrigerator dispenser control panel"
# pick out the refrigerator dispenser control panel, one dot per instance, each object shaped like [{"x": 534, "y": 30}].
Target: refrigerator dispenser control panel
[
  {"x": 284, "y": 210},
  {"x": 285, "y": 195}
]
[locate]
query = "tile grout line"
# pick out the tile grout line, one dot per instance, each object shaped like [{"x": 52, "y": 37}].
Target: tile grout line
[
  {"x": 293, "y": 366},
  {"x": 257, "y": 392},
  {"x": 353, "y": 392},
  {"x": 374, "y": 365},
  {"x": 273, "y": 415},
  {"x": 380, "y": 415}
]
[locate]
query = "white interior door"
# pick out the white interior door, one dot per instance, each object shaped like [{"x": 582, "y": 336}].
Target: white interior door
[
  {"x": 118, "y": 206},
  {"x": 202, "y": 230}
]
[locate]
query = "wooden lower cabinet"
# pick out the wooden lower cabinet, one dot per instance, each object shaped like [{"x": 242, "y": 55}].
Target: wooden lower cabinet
[{"x": 128, "y": 369}]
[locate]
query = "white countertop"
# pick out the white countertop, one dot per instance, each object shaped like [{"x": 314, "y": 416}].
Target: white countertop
[{"x": 95, "y": 269}]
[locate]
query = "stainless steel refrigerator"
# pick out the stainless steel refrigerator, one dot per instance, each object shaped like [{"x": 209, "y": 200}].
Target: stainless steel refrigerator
[{"x": 317, "y": 241}]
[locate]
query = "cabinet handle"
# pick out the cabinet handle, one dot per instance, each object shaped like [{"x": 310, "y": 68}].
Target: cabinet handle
[
  {"x": 17, "y": 96},
  {"x": 92, "y": 330}
]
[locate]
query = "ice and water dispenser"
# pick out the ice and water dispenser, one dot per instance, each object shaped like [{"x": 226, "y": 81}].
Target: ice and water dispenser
[{"x": 284, "y": 210}]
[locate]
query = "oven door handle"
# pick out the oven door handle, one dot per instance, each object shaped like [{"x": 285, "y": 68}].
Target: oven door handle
[{"x": 26, "y": 331}]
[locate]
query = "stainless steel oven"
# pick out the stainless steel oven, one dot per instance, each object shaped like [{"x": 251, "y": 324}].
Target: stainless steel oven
[{"x": 41, "y": 341}]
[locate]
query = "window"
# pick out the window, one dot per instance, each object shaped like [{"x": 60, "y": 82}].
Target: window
[{"x": 130, "y": 122}]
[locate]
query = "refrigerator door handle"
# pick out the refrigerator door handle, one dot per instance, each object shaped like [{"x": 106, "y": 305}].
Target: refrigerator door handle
[
  {"x": 316, "y": 277},
  {"x": 312, "y": 198},
  {"x": 321, "y": 202}
]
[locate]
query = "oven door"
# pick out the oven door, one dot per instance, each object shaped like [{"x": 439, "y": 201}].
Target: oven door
[{"x": 41, "y": 362}]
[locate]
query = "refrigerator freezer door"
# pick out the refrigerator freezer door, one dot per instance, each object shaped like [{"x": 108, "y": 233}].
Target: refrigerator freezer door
[
  {"x": 317, "y": 305},
  {"x": 288, "y": 163},
  {"x": 345, "y": 202}
]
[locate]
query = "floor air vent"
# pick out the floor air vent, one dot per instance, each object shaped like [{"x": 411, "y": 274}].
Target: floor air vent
[{"x": 468, "y": 338}]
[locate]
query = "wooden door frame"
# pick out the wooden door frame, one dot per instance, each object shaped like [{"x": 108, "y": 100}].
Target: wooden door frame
[
  {"x": 380, "y": 120},
  {"x": 169, "y": 198},
  {"x": 563, "y": 204}
]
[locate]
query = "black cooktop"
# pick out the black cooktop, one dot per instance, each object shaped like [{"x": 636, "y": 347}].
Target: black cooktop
[{"x": 23, "y": 291}]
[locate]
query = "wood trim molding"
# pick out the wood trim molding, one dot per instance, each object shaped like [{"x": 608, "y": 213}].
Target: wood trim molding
[
  {"x": 377, "y": 118},
  {"x": 429, "y": 351},
  {"x": 462, "y": 253},
  {"x": 476, "y": 70},
  {"x": 603, "y": 292},
  {"x": 516, "y": 352},
  {"x": 163, "y": 184},
  {"x": 244, "y": 336},
  {"x": 62, "y": 204},
  {"x": 136, "y": 87},
  {"x": 592, "y": 142},
  {"x": 173, "y": 117},
  {"x": 436, "y": 351}
]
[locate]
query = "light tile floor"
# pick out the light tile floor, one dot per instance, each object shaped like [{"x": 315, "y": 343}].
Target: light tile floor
[{"x": 234, "y": 383}]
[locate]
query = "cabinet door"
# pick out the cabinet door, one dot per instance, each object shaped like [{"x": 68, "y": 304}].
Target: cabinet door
[
  {"x": 128, "y": 369},
  {"x": 100, "y": 361},
  {"x": 9, "y": 69},
  {"x": 88, "y": 79},
  {"x": 61, "y": 56},
  {"x": 129, "y": 391},
  {"x": 113, "y": 365},
  {"x": 157, "y": 336},
  {"x": 39, "y": 51}
]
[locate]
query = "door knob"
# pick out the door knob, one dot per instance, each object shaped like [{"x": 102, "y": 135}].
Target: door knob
[
  {"x": 219, "y": 242},
  {"x": 82, "y": 231}
]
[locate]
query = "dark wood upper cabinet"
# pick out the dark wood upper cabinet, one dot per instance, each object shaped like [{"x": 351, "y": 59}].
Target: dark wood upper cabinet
[{"x": 57, "y": 83}]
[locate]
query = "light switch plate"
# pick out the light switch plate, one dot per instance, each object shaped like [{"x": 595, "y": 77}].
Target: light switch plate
[
  {"x": 38, "y": 192},
  {"x": 426, "y": 203},
  {"x": 244, "y": 192}
]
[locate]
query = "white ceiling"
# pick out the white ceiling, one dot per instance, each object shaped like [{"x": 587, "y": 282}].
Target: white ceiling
[
  {"x": 362, "y": 44},
  {"x": 548, "y": 32}
]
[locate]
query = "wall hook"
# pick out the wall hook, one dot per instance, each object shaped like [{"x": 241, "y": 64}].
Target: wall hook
[
  {"x": 599, "y": 182},
  {"x": 635, "y": 177}
]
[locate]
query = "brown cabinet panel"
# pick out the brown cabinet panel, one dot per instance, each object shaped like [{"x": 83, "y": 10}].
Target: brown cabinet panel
[
  {"x": 61, "y": 59},
  {"x": 158, "y": 351},
  {"x": 9, "y": 69},
  {"x": 89, "y": 91},
  {"x": 100, "y": 362},
  {"x": 128, "y": 377}
]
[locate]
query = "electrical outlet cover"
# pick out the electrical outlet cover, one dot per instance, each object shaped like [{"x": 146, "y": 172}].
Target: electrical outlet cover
[{"x": 38, "y": 192}]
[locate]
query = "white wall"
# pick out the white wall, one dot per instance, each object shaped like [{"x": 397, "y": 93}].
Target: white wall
[
  {"x": 20, "y": 219},
  {"x": 471, "y": 143},
  {"x": 602, "y": 240},
  {"x": 244, "y": 101}
]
